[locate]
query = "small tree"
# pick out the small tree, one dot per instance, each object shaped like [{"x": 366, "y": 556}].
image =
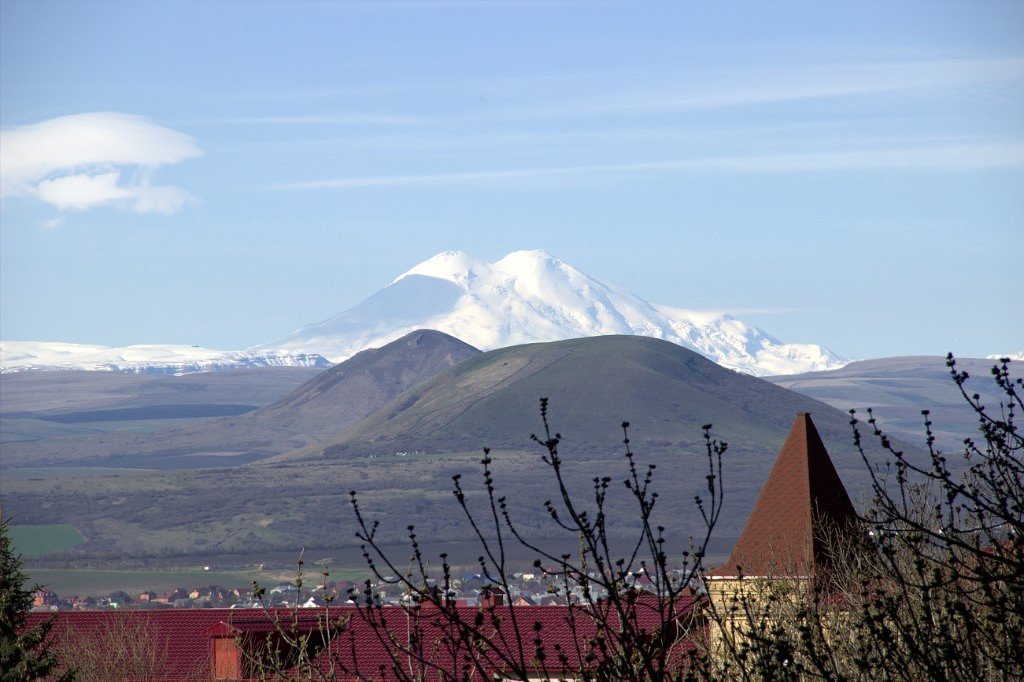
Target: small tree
[
  {"x": 25, "y": 653},
  {"x": 124, "y": 648}
]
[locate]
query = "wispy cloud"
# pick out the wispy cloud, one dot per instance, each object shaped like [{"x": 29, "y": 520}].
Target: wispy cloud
[
  {"x": 961, "y": 157},
  {"x": 623, "y": 94},
  {"x": 956, "y": 157},
  {"x": 559, "y": 96},
  {"x": 323, "y": 119},
  {"x": 78, "y": 162},
  {"x": 721, "y": 89}
]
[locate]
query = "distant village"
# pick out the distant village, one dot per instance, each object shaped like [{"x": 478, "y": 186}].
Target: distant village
[{"x": 472, "y": 589}]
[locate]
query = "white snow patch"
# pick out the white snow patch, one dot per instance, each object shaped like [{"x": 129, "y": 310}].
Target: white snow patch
[
  {"x": 20, "y": 356},
  {"x": 1016, "y": 357}
]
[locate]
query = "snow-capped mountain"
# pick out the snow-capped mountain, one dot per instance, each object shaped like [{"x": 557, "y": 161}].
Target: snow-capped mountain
[
  {"x": 530, "y": 296},
  {"x": 16, "y": 356}
]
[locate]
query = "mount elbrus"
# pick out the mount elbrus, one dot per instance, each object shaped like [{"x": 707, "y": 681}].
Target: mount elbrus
[{"x": 526, "y": 297}]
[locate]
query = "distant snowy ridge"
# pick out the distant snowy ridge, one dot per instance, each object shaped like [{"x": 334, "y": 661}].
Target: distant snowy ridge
[
  {"x": 530, "y": 296},
  {"x": 18, "y": 356},
  {"x": 1016, "y": 357}
]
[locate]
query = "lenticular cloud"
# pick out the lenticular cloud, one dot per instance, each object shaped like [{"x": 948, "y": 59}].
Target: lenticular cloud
[{"x": 99, "y": 159}]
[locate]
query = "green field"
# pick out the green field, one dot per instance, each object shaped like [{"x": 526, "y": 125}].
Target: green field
[
  {"x": 94, "y": 582},
  {"x": 36, "y": 541},
  {"x": 82, "y": 582}
]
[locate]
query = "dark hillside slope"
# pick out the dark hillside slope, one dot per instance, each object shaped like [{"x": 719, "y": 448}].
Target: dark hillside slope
[
  {"x": 322, "y": 407},
  {"x": 341, "y": 396}
]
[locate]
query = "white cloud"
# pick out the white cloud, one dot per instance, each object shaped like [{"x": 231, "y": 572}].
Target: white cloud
[
  {"x": 164, "y": 199},
  {"x": 82, "y": 191},
  {"x": 76, "y": 162}
]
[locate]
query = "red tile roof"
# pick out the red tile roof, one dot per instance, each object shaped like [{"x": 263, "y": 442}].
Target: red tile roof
[
  {"x": 801, "y": 504},
  {"x": 182, "y": 647},
  {"x": 562, "y": 637},
  {"x": 551, "y": 638}
]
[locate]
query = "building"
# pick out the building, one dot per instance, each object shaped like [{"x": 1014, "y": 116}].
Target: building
[{"x": 798, "y": 531}]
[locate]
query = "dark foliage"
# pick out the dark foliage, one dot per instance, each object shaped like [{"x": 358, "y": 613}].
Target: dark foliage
[{"x": 25, "y": 653}]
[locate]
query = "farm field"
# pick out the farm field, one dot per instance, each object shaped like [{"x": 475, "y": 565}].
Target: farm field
[
  {"x": 99, "y": 582},
  {"x": 39, "y": 540}
]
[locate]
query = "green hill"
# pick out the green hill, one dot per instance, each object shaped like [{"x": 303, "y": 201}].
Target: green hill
[{"x": 665, "y": 391}]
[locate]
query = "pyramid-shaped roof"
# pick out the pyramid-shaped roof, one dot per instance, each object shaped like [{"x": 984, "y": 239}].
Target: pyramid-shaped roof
[{"x": 802, "y": 503}]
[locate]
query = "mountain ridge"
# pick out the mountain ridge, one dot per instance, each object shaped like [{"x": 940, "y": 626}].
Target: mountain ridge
[
  {"x": 153, "y": 359},
  {"x": 896, "y": 389}
]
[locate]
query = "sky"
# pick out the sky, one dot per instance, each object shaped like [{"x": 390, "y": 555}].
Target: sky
[{"x": 221, "y": 173}]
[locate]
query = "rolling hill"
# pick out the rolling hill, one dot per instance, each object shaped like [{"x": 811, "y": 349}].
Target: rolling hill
[{"x": 667, "y": 392}]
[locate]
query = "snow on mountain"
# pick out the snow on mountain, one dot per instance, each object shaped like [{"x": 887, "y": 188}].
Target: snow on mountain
[
  {"x": 530, "y": 296},
  {"x": 16, "y": 356},
  {"x": 1016, "y": 357}
]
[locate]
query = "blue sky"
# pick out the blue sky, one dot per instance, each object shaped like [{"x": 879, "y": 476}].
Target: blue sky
[{"x": 843, "y": 173}]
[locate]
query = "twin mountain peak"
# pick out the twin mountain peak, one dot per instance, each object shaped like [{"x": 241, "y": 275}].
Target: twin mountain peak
[{"x": 531, "y": 296}]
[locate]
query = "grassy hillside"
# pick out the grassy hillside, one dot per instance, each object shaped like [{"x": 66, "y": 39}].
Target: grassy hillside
[{"x": 33, "y": 541}]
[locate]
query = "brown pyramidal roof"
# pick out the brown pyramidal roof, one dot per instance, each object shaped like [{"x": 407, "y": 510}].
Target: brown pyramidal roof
[{"x": 802, "y": 503}]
